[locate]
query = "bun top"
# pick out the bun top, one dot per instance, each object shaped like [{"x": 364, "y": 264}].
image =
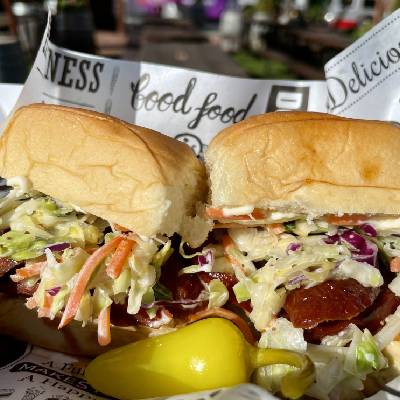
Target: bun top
[
  {"x": 307, "y": 162},
  {"x": 126, "y": 174}
]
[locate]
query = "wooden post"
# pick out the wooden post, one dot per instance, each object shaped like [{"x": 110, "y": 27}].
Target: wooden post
[{"x": 12, "y": 23}]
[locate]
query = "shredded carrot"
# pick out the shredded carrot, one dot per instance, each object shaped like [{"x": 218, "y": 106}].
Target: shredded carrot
[
  {"x": 227, "y": 243},
  {"x": 48, "y": 300},
  {"x": 217, "y": 213},
  {"x": 395, "y": 264},
  {"x": 83, "y": 278},
  {"x": 275, "y": 228},
  {"x": 227, "y": 314},
  {"x": 346, "y": 219},
  {"x": 44, "y": 312},
  {"x": 28, "y": 271},
  {"x": 103, "y": 327},
  {"x": 90, "y": 250},
  {"x": 118, "y": 259},
  {"x": 31, "y": 303}
]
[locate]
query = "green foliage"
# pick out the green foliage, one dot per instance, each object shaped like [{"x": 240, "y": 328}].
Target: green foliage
[
  {"x": 64, "y": 4},
  {"x": 363, "y": 28},
  {"x": 259, "y": 67}
]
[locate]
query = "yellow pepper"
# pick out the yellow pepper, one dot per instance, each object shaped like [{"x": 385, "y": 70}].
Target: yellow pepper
[{"x": 207, "y": 354}]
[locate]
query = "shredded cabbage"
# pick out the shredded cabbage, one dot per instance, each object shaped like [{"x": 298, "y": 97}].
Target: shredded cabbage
[
  {"x": 385, "y": 226},
  {"x": 241, "y": 292},
  {"x": 257, "y": 244},
  {"x": 100, "y": 300},
  {"x": 58, "y": 301},
  {"x": 143, "y": 274},
  {"x": 304, "y": 227},
  {"x": 40, "y": 221},
  {"x": 183, "y": 254},
  {"x": 85, "y": 310},
  {"x": 364, "y": 355},
  {"x": 57, "y": 274},
  {"x": 121, "y": 284},
  {"x": 281, "y": 334},
  {"x": 205, "y": 261},
  {"x": 364, "y": 273},
  {"x": 390, "y": 330},
  {"x": 394, "y": 286},
  {"x": 310, "y": 265},
  {"x": 21, "y": 246},
  {"x": 221, "y": 264},
  {"x": 390, "y": 245},
  {"x": 341, "y": 339},
  {"x": 162, "y": 255},
  {"x": 341, "y": 370},
  {"x": 218, "y": 293},
  {"x": 266, "y": 302}
]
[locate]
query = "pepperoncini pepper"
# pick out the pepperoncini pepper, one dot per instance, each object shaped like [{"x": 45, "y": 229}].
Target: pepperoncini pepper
[{"x": 207, "y": 354}]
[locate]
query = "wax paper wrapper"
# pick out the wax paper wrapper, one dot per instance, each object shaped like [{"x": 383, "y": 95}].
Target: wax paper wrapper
[{"x": 191, "y": 106}]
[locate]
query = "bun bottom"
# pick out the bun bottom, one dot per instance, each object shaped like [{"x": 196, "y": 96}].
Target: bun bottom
[{"x": 18, "y": 321}]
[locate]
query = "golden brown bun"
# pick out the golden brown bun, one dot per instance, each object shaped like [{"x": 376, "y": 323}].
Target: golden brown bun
[
  {"x": 126, "y": 174},
  {"x": 17, "y": 321},
  {"x": 307, "y": 162}
]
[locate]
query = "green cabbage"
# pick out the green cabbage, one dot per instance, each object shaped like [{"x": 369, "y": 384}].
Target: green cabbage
[
  {"x": 21, "y": 246},
  {"x": 364, "y": 273},
  {"x": 281, "y": 334},
  {"x": 218, "y": 293}
]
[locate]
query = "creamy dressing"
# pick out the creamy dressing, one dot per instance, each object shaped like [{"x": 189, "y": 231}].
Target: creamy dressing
[
  {"x": 271, "y": 216},
  {"x": 281, "y": 216},
  {"x": 385, "y": 225},
  {"x": 20, "y": 184},
  {"x": 233, "y": 211}
]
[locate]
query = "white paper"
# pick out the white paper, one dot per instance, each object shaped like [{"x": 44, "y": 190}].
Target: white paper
[
  {"x": 201, "y": 105},
  {"x": 186, "y": 104},
  {"x": 9, "y": 94},
  {"x": 363, "y": 80}
]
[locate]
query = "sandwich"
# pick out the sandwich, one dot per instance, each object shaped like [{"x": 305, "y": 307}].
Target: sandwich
[
  {"x": 306, "y": 211},
  {"x": 91, "y": 210}
]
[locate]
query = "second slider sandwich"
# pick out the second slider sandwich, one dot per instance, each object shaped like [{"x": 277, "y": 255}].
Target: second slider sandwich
[
  {"x": 86, "y": 226},
  {"x": 308, "y": 209}
]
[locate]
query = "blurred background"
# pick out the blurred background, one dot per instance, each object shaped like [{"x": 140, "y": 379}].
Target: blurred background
[{"x": 270, "y": 39}]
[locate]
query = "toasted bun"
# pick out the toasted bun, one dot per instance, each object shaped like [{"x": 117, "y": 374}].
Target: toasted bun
[
  {"x": 17, "y": 321},
  {"x": 123, "y": 173},
  {"x": 307, "y": 162}
]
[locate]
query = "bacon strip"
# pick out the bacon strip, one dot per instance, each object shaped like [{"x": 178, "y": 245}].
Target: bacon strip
[
  {"x": 28, "y": 271},
  {"x": 6, "y": 265},
  {"x": 372, "y": 318},
  {"x": 332, "y": 300}
]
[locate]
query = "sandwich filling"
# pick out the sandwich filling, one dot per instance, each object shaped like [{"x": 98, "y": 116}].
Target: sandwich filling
[
  {"x": 74, "y": 265},
  {"x": 327, "y": 286}
]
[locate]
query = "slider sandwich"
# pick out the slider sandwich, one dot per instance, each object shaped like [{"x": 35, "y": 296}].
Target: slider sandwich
[
  {"x": 89, "y": 210},
  {"x": 307, "y": 220}
]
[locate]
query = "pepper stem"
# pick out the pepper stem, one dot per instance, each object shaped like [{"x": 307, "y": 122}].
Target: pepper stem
[{"x": 295, "y": 383}]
